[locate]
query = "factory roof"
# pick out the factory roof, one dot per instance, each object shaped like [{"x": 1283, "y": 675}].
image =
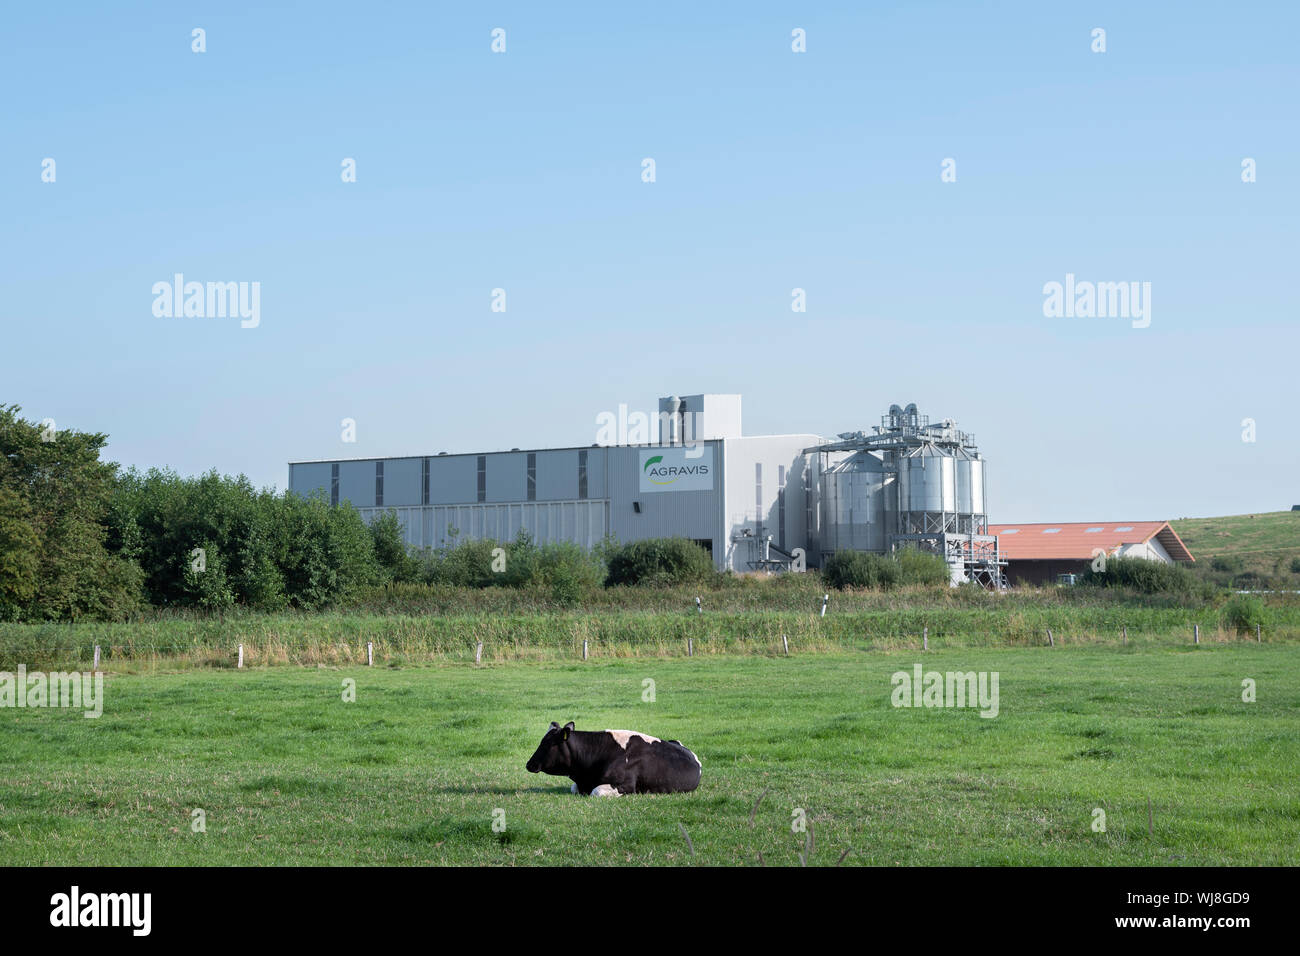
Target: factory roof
[{"x": 1081, "y": 539}]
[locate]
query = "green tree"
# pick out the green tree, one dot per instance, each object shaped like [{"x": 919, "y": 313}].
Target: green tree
[{"x": 56, "y": 486}]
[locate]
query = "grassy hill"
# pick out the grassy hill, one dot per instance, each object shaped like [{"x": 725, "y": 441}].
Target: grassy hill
[{"x": 1245, "y": 550}]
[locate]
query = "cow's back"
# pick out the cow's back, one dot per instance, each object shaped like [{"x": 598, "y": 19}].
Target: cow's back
[{"x": 663, "y": 766}]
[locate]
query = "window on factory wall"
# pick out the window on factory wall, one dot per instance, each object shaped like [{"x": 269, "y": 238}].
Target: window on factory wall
[
  {"x": 334, "y": 483},
  {"x": 379, "y": 484},
  {"x": 482, "y": 477},
  {"x": 582, "y": 473},
  {"x": 424, "y": 483},
  {"x": 532, "y": 476}
]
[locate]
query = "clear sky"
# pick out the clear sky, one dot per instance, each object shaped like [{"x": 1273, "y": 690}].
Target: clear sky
[{"x": 774, "y": 170}]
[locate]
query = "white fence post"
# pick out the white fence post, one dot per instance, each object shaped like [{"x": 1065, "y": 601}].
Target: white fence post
[
  {"x": 698, "y": 606},
  {"x": 786, "y": 645},
  {"x": 370, "y": 653},
  {"x": 690, "y": 647},
  {"x": 825, "y": 599},
  {"x": 96, "y": 667},
  {"x": 478, "y": 653},
  {"x": 584, "y": 650},
  {"x": 1050, "y": 640},
  {"x": 241, "y": 656},
  {"x": 925, "y": 638},
  {"x": 1196, "y": 633}
]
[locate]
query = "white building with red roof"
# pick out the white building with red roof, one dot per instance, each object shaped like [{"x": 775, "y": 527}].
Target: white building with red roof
[{"x": 1037, "y": 553}]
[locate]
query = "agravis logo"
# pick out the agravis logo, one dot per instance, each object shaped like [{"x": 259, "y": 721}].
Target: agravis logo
[{"x": 660, "y": 474}]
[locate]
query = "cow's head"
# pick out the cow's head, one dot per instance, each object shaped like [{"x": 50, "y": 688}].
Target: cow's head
[{"x": 553, "y": 755}]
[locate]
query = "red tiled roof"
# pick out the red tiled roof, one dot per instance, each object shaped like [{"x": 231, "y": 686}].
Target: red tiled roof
[{"x": 1080, "y": 539}]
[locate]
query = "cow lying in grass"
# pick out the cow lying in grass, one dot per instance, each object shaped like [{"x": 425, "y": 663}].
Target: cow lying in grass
[{"x": 609, "y": 763}]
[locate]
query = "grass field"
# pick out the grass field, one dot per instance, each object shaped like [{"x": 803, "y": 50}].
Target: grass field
[
  {"x": 413, "y": 770},
  {"x": 1264, "y": 544}
]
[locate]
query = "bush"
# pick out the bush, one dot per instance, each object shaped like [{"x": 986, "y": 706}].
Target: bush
[
  {"x": 391, "y": 552},
  {"x": 1252, "y": 581},
  {"x": 860, "y": 569},
  {"x": 659, "y": 562},
  {"x": 922, "y": 567},
  {"x": 467, "y": 564},
  {"x": 1229, "y": 563},
  {"x": 1295, "y": 565},
  {"x": 1243, "y": 612},
  {"x": 1139, "y": 574}
]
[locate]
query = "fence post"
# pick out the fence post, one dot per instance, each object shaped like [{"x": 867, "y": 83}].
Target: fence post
[
  {"x": 925, "y": 638},
  {"x": 584, "y": 650},
  {"x": 1050, "y": 640},
  {"x": 478, "y": 653},
  {"x": 1258, "y": 640},
  {"x": 825, "y": 599},
  {"x": 690, "y": 648},
  {"x": 1125, "y": 635},
  {"x": 1196, "y": 633},
  {"x": 370, "y": 653},
  {"x": 698, "y": 606},
  {"x": 241, "y": 656},
  {"x": 96, "y": 667},
  {"x": 786, "y": 645}
]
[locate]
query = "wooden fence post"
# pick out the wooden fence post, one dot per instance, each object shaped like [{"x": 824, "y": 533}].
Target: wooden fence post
[
  {"x": 1258, "y": 640},
  {"x": 1125, "y": 635},
  {"x": 370, "y": 653},
  {"x": 925, "y": 638},
  {"x": 96, "y": 667},
  {"x": 1050, "y": 640},
  {"x": 241, "y": 656},
  {"x": 690, "y": 648},
  {"x": 1196, "y": 633},
  {"x": 584, "y": 650},
  {"x": 786, "y": 645},
  {"x": 478, "y": 653}
]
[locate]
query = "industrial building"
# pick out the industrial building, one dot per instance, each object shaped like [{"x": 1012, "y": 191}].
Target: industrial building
[
  {"x": 754, "y": 502},
  {"x": 1039, "y": 554}
]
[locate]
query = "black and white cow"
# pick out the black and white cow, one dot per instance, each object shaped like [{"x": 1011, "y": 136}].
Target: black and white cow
[{"x": 609, "y": 763}]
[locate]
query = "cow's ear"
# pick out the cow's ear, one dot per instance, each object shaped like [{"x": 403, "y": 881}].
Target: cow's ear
[
  {"x": 568, "y": 727},
  {"x": 554, "y": 725}
]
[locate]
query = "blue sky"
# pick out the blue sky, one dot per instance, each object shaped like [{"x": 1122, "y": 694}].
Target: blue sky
[{"x": 774, "y": 170}]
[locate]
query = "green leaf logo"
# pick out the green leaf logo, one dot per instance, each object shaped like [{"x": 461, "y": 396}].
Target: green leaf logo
[{"x": 652, "y": 461}]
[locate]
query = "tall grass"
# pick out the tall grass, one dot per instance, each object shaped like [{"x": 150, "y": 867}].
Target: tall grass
[{"x": 867, "y": 621}]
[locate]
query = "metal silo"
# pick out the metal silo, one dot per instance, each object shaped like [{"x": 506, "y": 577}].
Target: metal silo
[
  {"x": 853, "y": 496},
  {"x": 910, "y": 484},
  {"x": 927, "y": 480}
]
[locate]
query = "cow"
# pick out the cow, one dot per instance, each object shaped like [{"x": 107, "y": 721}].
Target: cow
[{"x": 610, "y": 763}]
